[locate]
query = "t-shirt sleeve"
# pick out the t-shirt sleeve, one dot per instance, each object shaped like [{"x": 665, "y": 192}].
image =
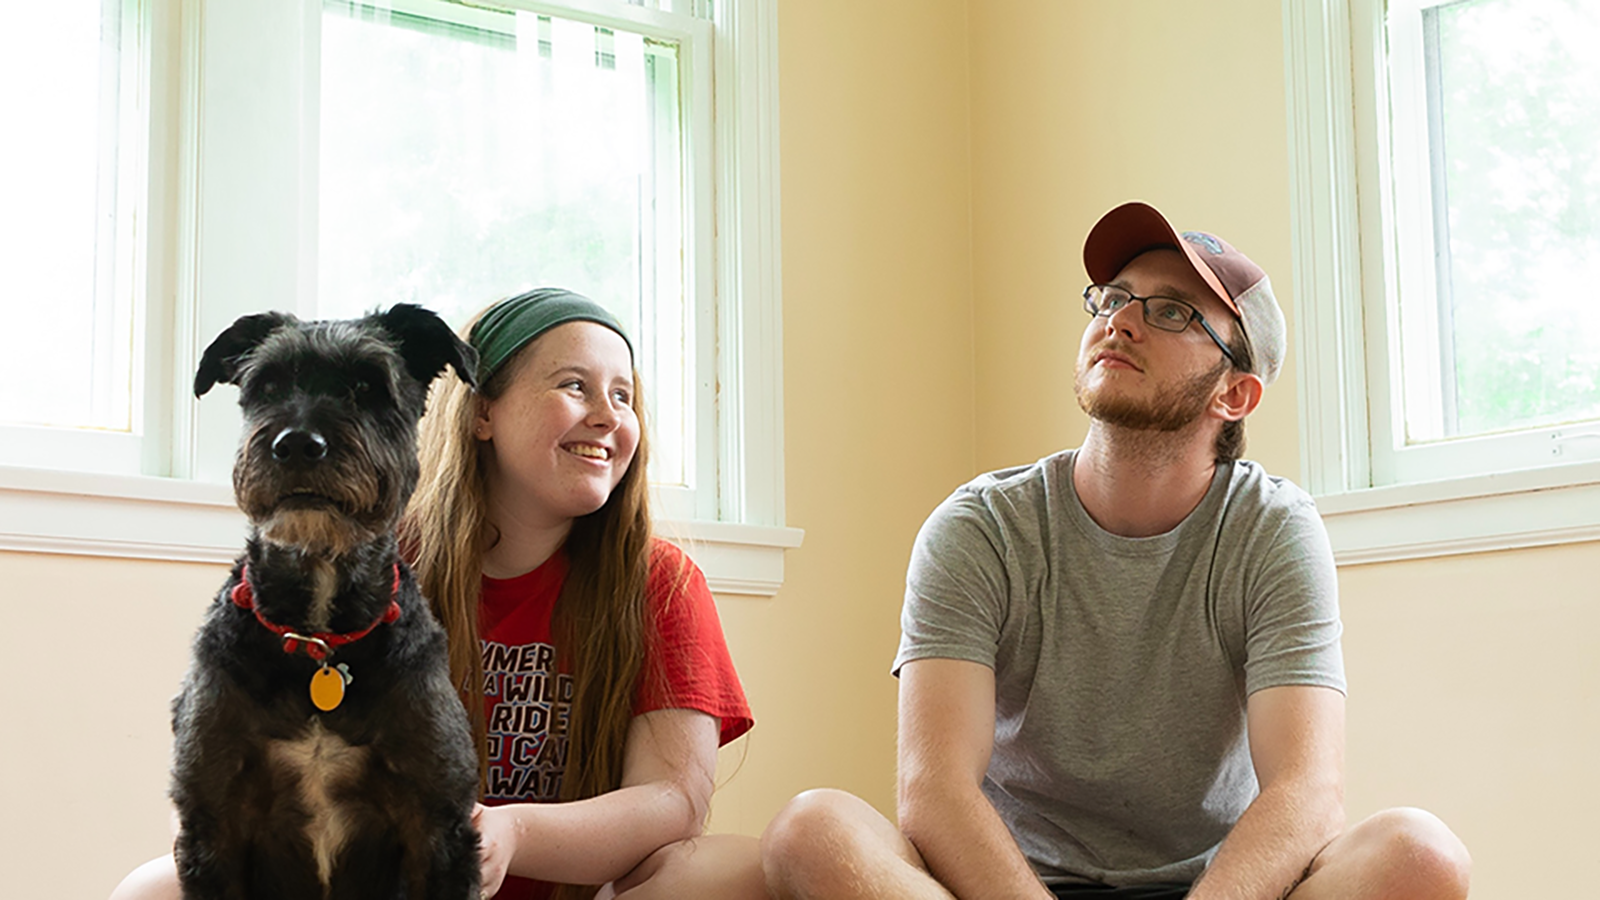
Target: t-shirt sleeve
[
  {"x": 956, "y": 586},
  {"x": 1292, "y": 626},
  {"x": 690, "y": 666}
]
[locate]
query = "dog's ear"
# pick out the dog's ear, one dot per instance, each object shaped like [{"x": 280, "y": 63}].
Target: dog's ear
[
  {"x": 220, "y": 362},
  {"x": 427, "y": 344}
]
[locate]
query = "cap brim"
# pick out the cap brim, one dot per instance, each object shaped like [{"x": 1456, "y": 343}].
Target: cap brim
[{"x": 1131, "y": 229}]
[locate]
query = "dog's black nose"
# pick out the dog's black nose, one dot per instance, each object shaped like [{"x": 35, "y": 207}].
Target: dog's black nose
[{"x": 295, "y": 446}]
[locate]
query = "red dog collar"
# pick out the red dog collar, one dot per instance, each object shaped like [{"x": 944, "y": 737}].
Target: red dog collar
[{"x": 317, "y": 645}]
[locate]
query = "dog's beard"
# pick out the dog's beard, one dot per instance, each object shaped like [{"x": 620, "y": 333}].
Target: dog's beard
[
  {"x": 320, "y": 532},
  {"x": 1172, "y": 410}
]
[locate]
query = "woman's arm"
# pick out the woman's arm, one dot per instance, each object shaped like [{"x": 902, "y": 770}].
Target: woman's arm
[{"x": 668, "y": 773}]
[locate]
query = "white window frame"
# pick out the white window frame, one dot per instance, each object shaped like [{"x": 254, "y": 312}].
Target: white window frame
[
  {"x": 737, "y": 532},
  {"x": 122, "y": 271},
  {"x": 1333, "y": 51}
]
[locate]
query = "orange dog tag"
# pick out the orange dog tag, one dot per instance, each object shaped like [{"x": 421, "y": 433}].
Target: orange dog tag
[{"x": 327, "y": 689}]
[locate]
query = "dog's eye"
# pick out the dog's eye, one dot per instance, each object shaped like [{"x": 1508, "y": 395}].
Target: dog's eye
[{"x": 361, "y": 387}]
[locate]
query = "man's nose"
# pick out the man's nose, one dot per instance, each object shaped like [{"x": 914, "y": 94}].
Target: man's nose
[{"x": 1128, "y": 320}]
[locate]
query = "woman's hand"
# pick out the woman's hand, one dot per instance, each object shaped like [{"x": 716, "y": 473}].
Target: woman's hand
[{"x": 497, "y": 842}]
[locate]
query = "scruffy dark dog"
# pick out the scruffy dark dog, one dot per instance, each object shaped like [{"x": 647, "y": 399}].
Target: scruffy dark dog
[{"x": 321, "y": 751}]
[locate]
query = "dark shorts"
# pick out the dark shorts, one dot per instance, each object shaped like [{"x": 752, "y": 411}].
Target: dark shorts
[{"x": 1106, "y": 892}]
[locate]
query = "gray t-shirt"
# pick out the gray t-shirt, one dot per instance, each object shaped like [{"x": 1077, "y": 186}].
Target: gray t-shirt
[{"x": 1122, "y": 664}]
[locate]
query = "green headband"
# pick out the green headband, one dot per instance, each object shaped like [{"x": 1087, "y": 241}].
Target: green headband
[{"x": 510, "y": 324}]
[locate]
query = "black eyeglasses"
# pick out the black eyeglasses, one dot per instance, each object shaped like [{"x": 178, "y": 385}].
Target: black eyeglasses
[{"x": 1164, "y": 313}]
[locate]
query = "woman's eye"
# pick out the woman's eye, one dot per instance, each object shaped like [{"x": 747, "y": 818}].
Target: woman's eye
[{"x": 621, "y": 396}]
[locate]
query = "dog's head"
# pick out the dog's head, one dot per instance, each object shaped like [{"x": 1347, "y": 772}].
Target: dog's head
[{"x": 328, "y": 458}]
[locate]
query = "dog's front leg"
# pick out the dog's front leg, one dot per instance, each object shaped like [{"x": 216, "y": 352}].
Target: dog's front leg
[
  {"x": 456, "y": 869},
  {"x": 205, "y": 870}
]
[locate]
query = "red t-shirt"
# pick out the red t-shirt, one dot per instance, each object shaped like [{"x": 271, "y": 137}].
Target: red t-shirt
[{"x": 526, "y": 699}]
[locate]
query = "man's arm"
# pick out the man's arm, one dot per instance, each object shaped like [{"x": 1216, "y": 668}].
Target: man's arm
[
  {"x": 946, "y": 736},
  {"x": 1297, "y": 747}
]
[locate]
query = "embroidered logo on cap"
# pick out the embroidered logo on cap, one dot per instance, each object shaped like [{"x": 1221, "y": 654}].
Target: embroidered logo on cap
[{"x": 1204, "y": 240}]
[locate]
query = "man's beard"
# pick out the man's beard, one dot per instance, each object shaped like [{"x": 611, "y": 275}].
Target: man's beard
[{"x": 1171, "y": 410}]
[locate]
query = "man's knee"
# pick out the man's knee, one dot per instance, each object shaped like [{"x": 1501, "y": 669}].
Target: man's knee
[
  {"x": 815, "y": 832},
  {"x": 1414, "y": 854},
  {"x": 819, "y": 817}
]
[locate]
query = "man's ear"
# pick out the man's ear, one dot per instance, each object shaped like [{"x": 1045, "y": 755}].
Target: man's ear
[{"x": 1239, "y": 397}]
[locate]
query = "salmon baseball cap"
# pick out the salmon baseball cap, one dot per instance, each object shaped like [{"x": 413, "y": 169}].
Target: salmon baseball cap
[{"x": 1241, "y": 285}]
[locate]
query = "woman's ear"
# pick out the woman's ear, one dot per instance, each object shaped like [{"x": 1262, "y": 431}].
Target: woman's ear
[
  {"x": 482, "y": 427},
  {"x": 1239, "y": 398}
]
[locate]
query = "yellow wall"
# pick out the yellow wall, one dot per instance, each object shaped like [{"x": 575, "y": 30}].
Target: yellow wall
[
  {"x": 1475, "y": 692},
  {"x": 941, "y": 163},
  {"x": 1079, "y": 106},
  {"x": 93, "y": 653},
  {"x": 877, "y": 384}
]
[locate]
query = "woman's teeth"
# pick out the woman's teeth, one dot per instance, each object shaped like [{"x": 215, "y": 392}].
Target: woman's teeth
[{"x": 585, "y": 450}]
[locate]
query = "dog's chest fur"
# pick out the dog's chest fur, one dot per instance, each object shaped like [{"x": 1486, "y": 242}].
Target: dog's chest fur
[{"x": 323, "y": 766}]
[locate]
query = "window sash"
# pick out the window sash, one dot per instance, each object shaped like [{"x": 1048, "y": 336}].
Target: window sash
[
  {"x": 103, "y": 430},
  {"x": 1334, "y": 79},
  {"x": 257, "y": 202},
  {"x": 1412, "y": 439}
]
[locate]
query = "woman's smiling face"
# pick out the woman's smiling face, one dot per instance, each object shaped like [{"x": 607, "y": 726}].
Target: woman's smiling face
[{"x": 564, "y": 432}]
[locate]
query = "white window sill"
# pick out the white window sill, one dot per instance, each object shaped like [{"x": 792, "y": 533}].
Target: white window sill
[
  {"x": 1530, "y": 508},
  {"x": 139, "y": 517}
]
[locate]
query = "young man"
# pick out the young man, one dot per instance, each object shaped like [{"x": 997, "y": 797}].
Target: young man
[{"x": 1120, "y": 672}]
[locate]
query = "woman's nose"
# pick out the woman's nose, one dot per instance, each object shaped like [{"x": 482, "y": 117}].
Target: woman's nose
[{"x": 603, "y": 414}]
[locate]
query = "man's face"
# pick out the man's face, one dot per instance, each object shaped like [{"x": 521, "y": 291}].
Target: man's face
[{"x": 1135, "y": 376}]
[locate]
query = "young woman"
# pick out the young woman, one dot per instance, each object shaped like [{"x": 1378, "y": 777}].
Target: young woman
[{"x": 587, "y": 651}]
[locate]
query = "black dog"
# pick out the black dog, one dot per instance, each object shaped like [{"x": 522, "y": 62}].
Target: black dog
[{"x": 321, "y": 751}]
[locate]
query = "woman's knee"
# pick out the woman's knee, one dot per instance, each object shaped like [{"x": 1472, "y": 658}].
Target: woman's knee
[{"x": 155, "y": 880}]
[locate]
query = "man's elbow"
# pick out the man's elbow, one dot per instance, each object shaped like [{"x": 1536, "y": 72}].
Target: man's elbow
[
  {"x": 1325, "y": 813},
  {"x": 923, "y": 804}
]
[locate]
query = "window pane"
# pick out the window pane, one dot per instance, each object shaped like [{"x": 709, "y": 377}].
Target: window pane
[
  {"x": 1514, "y": 109},
  {"x": 469, "y": 153},
  {"x": 66, "y": 349}
]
